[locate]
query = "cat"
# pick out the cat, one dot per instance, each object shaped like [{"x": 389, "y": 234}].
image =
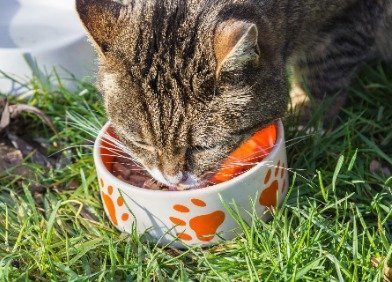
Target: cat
[{"x": 185, "y": 82}]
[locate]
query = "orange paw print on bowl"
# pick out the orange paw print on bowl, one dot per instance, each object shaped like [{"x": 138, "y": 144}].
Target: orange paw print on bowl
[
  {"x": 111, "y": 204},
  {"x": 204, "y": 226},
  {"x": 275, "y": 180}
]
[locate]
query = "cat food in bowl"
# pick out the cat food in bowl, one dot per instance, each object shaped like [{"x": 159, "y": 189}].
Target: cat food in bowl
[{"x": 253, "y": 176}]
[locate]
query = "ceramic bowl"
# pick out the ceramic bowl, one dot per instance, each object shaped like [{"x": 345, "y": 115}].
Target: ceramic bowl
[
  {"x": 37, "y": 35},
  {"x": 191, "y": 217}
]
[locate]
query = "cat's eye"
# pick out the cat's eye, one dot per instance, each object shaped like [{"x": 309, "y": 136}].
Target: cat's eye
[
  {"x": 194, "y": 149},
  {"x": 199, "y": 148},
  {"x": 143, "y": 145}
]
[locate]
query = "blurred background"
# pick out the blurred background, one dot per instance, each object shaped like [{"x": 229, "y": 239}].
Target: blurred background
[{"x": 42, "y": 38}]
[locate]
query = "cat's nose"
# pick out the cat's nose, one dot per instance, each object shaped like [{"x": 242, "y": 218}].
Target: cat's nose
[
  {"x": 179, "y": 179},
  {"x": 170, "y": 179},
  {"x": 175, "y": 179}
]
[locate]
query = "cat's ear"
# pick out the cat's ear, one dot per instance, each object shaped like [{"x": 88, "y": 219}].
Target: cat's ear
[
  {"x": 100, "y": 18},
  {"x": 236, "y": 46}
]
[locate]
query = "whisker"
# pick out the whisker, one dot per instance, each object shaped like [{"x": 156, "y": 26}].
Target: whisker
[
  {"x": 113, "y": 149},
  {"x": 115, "y": 146},
  {"x": 122, "y": 163},
  {"x": 256, "y": 154},
  {"x": 121, "y": 156}
]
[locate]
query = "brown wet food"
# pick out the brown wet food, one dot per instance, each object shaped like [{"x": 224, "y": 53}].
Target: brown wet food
[{"x": 128, "y": 171}]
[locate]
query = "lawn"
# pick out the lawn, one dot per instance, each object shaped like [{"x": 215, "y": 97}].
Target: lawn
[{"x": 336, "y": 223}]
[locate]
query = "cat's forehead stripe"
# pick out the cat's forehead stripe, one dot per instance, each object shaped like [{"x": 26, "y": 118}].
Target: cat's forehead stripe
[{"x": 168, "y": 55}]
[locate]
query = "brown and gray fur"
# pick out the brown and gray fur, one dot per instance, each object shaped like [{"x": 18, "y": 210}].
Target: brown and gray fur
[{"x": 186, "y": 81}]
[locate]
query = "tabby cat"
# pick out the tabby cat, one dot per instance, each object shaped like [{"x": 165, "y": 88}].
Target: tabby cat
[{"x": 186, "y": 81}]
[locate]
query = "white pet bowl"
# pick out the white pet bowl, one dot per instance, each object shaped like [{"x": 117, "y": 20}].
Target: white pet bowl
[
  {"x": 193, "y": 217},
  {"x": 46, "y": 32}
]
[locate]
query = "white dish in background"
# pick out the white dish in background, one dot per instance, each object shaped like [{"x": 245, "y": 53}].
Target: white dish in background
[{"x": 44, "y": 31}]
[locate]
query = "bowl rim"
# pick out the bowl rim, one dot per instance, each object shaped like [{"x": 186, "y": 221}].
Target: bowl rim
[
  {"x": 60, "y": 42},
  {"x": 101, "y": 169}
]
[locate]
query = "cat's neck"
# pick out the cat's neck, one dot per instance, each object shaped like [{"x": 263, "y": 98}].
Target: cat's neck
[
  {"x": 286, "y": 27},
  {"x": 304, "y": 21}
]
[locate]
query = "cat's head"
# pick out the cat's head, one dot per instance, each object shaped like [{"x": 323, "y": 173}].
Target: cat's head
[{"x": 184, "y": 82}]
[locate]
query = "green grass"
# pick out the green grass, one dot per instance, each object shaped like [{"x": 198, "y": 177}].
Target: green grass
[{"x": 337, "y": 216}]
